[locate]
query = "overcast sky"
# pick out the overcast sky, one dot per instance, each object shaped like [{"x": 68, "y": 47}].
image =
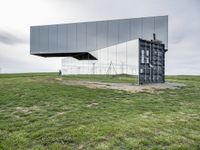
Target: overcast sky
[{"x": 183, "y": 56}]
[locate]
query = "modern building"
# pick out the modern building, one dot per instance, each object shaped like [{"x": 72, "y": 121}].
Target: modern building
[{"x": 83, "y": 40}]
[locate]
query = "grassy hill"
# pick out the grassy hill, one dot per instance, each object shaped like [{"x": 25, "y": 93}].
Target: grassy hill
[{"x": 37, "y": 111}]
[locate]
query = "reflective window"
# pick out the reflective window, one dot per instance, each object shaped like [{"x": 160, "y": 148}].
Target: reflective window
[
  {"x": 147, "y": 60},
  {"x": 147, "y": 52},
  {"x": 142, "y": 56},
  {"x": 141, "y": 70}
]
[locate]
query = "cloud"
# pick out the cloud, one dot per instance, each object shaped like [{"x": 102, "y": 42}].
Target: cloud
[
  {"x": 10, "y": 39},
  {"x": 16, "y": 58},
  {"x": 182, "y": 56}
]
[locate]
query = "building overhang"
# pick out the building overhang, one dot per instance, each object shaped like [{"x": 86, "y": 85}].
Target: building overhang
[{"x": 78, "y": 55}]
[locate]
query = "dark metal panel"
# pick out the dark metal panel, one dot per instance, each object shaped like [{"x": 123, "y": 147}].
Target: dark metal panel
[
  {"x": 113, "y": 32},
  {"x": 102, "y": 28},
  {"x": 151, "y": 62},
  {"x": 71, "y": 38},
  {"x": 91, "y": 36},
  {"x": 124, "y": 31},
  {"x": 81, "y": 36},
  {"x": 34, "y": 39},
  {"x": 62, "y": 38},
  {"x": 44, "y": 38},
  {"x": 53, "y": 38}
]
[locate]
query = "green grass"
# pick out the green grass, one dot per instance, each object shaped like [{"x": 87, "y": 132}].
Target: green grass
[{"x": 37, "y": 111}]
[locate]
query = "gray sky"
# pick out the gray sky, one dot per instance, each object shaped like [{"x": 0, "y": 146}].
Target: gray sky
[{"x": 183, "y": 56}]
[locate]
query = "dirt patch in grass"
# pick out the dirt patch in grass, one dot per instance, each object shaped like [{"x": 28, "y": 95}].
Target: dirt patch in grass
[
  {"x": 124, "y": 86},
  {"x": 92, "y": 104},
  {"x": 27, "y": 109}
]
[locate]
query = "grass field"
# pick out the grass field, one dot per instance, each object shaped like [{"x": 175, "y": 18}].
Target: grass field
[{"x": 37, "y": 111}]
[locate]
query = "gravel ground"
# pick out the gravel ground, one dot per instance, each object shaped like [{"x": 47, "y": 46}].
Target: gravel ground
[{"x": 124, "y": 86}]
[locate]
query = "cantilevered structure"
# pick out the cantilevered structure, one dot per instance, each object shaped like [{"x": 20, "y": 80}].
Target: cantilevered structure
[{"x": 79, "y": 40}]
